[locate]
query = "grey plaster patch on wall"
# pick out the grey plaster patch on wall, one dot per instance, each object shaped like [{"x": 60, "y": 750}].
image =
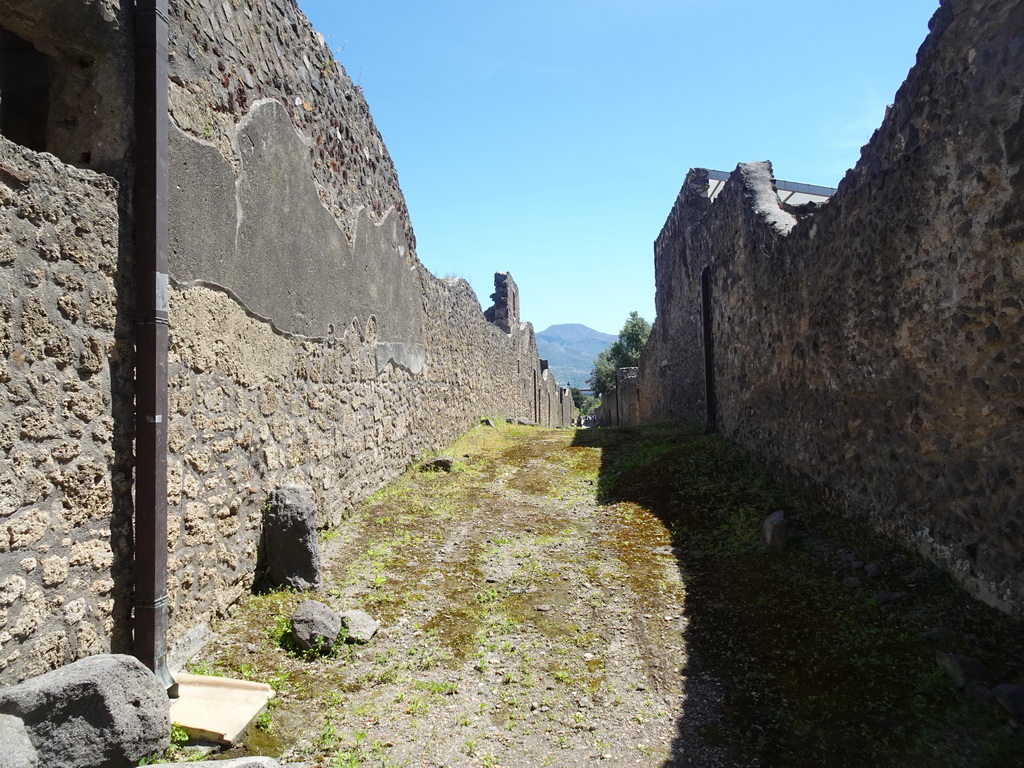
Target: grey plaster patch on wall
[
  {"x": 202, "y": 211},
  {"x": 285, "y": 235},
  {"x": 262, "y": 236},
  {"x": 411, "y": 357}
]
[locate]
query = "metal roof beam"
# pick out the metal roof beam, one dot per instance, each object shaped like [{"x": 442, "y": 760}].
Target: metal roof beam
[{"x": 783, "y": 186}]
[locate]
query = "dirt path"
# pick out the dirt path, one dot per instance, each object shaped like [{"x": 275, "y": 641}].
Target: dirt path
[
  {"x": 567, "y": 597},
  {"x": 524, "y": 624}
]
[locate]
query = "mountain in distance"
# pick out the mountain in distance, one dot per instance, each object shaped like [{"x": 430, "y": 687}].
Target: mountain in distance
[{"x": 570, "y": 350}]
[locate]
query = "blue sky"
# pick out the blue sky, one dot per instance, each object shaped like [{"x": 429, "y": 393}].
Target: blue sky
[{"x": 549, "y": 138}]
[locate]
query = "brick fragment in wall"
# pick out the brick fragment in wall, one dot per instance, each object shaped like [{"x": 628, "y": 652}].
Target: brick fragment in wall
[
  {"x": 74, "y": 611},
  {"x": 26, "y": 528},
  {"x": 87, "y": 491},
  {"x": 11, "y": 590},
  {"x": 49, "y": 652}
]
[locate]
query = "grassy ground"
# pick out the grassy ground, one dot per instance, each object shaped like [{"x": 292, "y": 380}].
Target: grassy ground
[
  {"x": 817, "y": 671},
  {"x": 564, "y": 597}
]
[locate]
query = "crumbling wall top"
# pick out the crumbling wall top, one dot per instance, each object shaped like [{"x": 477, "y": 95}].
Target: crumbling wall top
[{"x": 505, "y": 311}]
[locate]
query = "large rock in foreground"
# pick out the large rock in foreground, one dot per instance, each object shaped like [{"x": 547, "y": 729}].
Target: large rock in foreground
[
  {"x": 290, "y": 552},
  {"x": 16, "y": 750},
  {"x": 104, "y": 711}
]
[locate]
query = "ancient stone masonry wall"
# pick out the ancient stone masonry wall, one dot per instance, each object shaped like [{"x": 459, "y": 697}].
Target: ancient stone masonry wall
[
  {"x": 550, "y": 399},
  {"x": 607, "y": 412},
  {"x": 673, "y": 360},
  {"x": 226, "y": 57},
  {"x": 873, "y": 347},
  {"x": 621, "y": 405},
  {"x": 308, "y": 343},
  {"x": 63, "y": 592},
  {"x": 252, "y": 408},
  {"x": 505, "y": 309},
  {"x": 73, "y": 92},
  {"x": 567, "y": 408},
  {"x": 628, "y": 398}
]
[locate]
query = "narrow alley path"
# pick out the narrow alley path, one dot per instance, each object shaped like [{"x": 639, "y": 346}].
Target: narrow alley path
[
  {"x": 524, "y": 623},
  {"x": 576, "y": 597}
]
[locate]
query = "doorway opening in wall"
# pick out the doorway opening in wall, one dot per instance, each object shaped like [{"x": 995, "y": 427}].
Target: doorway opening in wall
[
  {"x": 24, "y": 92},
  {"x": 711, "y": 412},
  {"x": 536, "y": 399}
]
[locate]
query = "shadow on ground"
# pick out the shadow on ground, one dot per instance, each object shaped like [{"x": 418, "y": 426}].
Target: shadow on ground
[{"x": 820, "y": 652}]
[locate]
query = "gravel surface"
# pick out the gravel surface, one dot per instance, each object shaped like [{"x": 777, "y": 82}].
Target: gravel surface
[{"x": 523, "y": 624}]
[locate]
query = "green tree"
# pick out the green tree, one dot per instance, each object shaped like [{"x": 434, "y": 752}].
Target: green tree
[
  {"x": 602, "y": 376},
  {"x": 578, "y": 398},
  {"x": 585, "y": 404},
  {"x": 623, "y": 353}
]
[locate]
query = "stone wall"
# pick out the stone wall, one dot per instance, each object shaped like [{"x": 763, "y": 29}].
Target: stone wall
[
  {"x": 872, "y": 347},
  {"x": 83, "y": 61},
  {"x": 555, "y": 406},
  {"x": 308, "y": 343},
  {"x": 252, "y": 407},
  {"x": 226, "y": 57},
  {"x": 606, "y": 414},
  {"x": 621, "y": 405},
  {"x": 671, "y": 367},
  {"x": 506, "y": 302},
  {"x": 63, "y": 435},
  {"x": 567, "y": 408}
]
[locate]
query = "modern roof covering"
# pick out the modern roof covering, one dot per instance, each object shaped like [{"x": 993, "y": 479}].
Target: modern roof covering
[{"x": 790, "y": 192}]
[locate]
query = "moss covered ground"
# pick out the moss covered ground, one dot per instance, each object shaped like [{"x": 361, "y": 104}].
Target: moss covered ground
[{"x": 562, "y": 597}]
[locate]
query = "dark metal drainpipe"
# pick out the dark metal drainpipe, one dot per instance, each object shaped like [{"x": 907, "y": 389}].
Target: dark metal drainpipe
[{"x": 151, "y": 116}]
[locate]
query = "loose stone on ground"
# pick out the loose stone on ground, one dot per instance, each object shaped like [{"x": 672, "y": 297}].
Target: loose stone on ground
[
  {"x": 514, "y": 633},
  {"x": 361, "y": 626},
  {"x": 315, "y": 627}
]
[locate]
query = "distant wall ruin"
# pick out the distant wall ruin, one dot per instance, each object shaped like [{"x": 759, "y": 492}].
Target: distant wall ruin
[
  {"x": 620, "y": 406},
  {"x": 308, "y": 343},
  {"x": 873, "y": 347}
]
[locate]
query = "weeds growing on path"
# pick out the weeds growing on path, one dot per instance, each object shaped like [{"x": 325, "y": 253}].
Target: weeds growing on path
[{"x": 561, "y": 597}]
